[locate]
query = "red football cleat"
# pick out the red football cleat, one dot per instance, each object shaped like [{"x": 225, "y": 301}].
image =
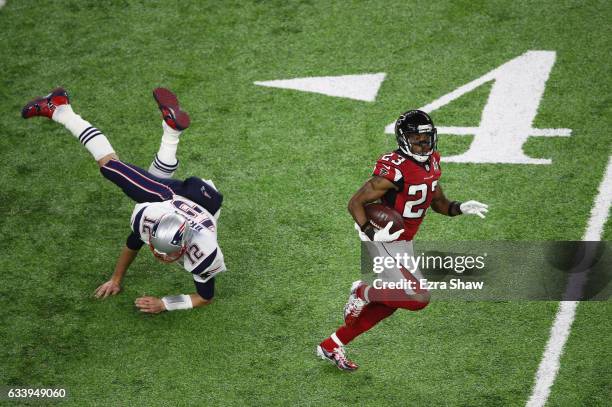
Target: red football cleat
[
  {"x": 337, "y": 357},
  {"x": 171, "y": 111},
  {"x": 45, "y": 106}
]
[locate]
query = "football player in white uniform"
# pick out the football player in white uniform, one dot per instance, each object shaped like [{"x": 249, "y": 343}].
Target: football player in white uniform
[{"x": 176, "y": 219}]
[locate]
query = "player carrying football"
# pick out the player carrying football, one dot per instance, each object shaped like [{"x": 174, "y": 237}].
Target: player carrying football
[
  {"x": 176, "y": 219},
  {"x": 407, "y": 181}
]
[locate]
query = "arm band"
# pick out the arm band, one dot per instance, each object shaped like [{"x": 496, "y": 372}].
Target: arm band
[
  {"x": 174, "y": 302},
  {"x": 369, "y": 231},
  {"x": 454, "y": 208}
]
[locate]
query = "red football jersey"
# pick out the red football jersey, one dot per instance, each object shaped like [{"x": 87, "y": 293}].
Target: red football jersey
[{"x": 416, "y": 183}]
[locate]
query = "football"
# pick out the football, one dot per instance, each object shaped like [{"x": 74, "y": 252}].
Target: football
[{"x": 379, "y": 215}]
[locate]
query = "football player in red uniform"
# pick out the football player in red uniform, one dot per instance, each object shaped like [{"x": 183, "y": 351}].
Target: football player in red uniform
[{"x": 406, "y": 180}]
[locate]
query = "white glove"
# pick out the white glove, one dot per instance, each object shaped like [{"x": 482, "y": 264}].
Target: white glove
[
  {"x": 474, "y": 208},
  {"x": 383, "y": 235}
]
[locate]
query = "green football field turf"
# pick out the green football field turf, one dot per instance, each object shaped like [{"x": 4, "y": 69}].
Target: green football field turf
[{"x": 287, "y": 163}]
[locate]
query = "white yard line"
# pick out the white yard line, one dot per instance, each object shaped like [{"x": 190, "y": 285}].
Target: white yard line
[
  {"x": 2, "y": 3},
  {"x": 549, "y": 366},
  {"x": 599, "y": 213}
]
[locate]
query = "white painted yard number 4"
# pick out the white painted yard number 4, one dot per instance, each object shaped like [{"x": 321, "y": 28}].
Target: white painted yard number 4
[{"x": 507, "y": 118}]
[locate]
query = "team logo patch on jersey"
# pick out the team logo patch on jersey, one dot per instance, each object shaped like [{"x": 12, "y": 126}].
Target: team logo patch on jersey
[{"x": 383, "y": 171}]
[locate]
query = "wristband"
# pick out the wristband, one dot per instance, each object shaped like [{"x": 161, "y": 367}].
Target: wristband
[
  {"x": 454, "y": 208},
  {"x": 174, "y": 302},
  {"x": 369, "y": 231}
]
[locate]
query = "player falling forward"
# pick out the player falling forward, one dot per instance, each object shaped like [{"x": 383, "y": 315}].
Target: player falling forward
[
  {"x": 407, "y": 181},
  {"x": 176, "y": 219}
]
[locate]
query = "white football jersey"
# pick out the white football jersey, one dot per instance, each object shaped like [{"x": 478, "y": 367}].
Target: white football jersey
[{"x": 203, "y": 257}]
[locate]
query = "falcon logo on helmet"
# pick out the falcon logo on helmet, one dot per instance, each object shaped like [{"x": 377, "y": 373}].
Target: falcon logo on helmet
[
  {"x": 416, "y": 135},
  {"x": 169, "y": 236}
]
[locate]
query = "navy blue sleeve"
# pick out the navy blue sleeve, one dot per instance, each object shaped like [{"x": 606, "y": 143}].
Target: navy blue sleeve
[
  {"x": 206, "y": 290},
  {"x": 133, "y": 242}
]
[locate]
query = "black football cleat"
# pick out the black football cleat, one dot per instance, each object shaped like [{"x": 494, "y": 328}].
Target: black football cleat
[
  {"x": 171, "y": 111},
  {"x": 337, "y": 357},
  {"x": 45, "y": 106}
]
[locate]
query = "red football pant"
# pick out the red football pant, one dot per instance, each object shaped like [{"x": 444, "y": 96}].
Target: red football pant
[
  {"x": 396, "y": 298},
  {"x": 371, "y": 315},
  {"x": 383, "y": 303}
]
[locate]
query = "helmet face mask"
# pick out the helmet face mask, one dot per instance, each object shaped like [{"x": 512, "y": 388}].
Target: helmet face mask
[
  {"x": 168, "y": 237},
  {"x": 416, "y": 135},
  {"x": 167, "y": 258}
]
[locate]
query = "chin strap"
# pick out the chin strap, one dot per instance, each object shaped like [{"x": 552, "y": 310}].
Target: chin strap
[
  {"x": 166, "y": 258},
  {"x": 415, "y": 157}
]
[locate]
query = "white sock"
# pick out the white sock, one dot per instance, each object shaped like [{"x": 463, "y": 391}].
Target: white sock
[
  {"x": 92, "y": 138},
  {"x": 165, "y": 162}
]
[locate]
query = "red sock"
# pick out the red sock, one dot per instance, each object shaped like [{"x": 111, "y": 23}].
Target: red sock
[{"x": 370, "y": 316}]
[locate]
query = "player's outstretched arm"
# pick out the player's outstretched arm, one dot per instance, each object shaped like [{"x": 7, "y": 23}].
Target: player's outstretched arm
[
  {"x": 204, "y": 296},
  {"x": 113, "y": 286},
  {"x": 442, "y": 205}
]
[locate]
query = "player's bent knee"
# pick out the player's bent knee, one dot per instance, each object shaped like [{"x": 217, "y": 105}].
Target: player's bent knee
[{"x": 104, "y": 160}]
